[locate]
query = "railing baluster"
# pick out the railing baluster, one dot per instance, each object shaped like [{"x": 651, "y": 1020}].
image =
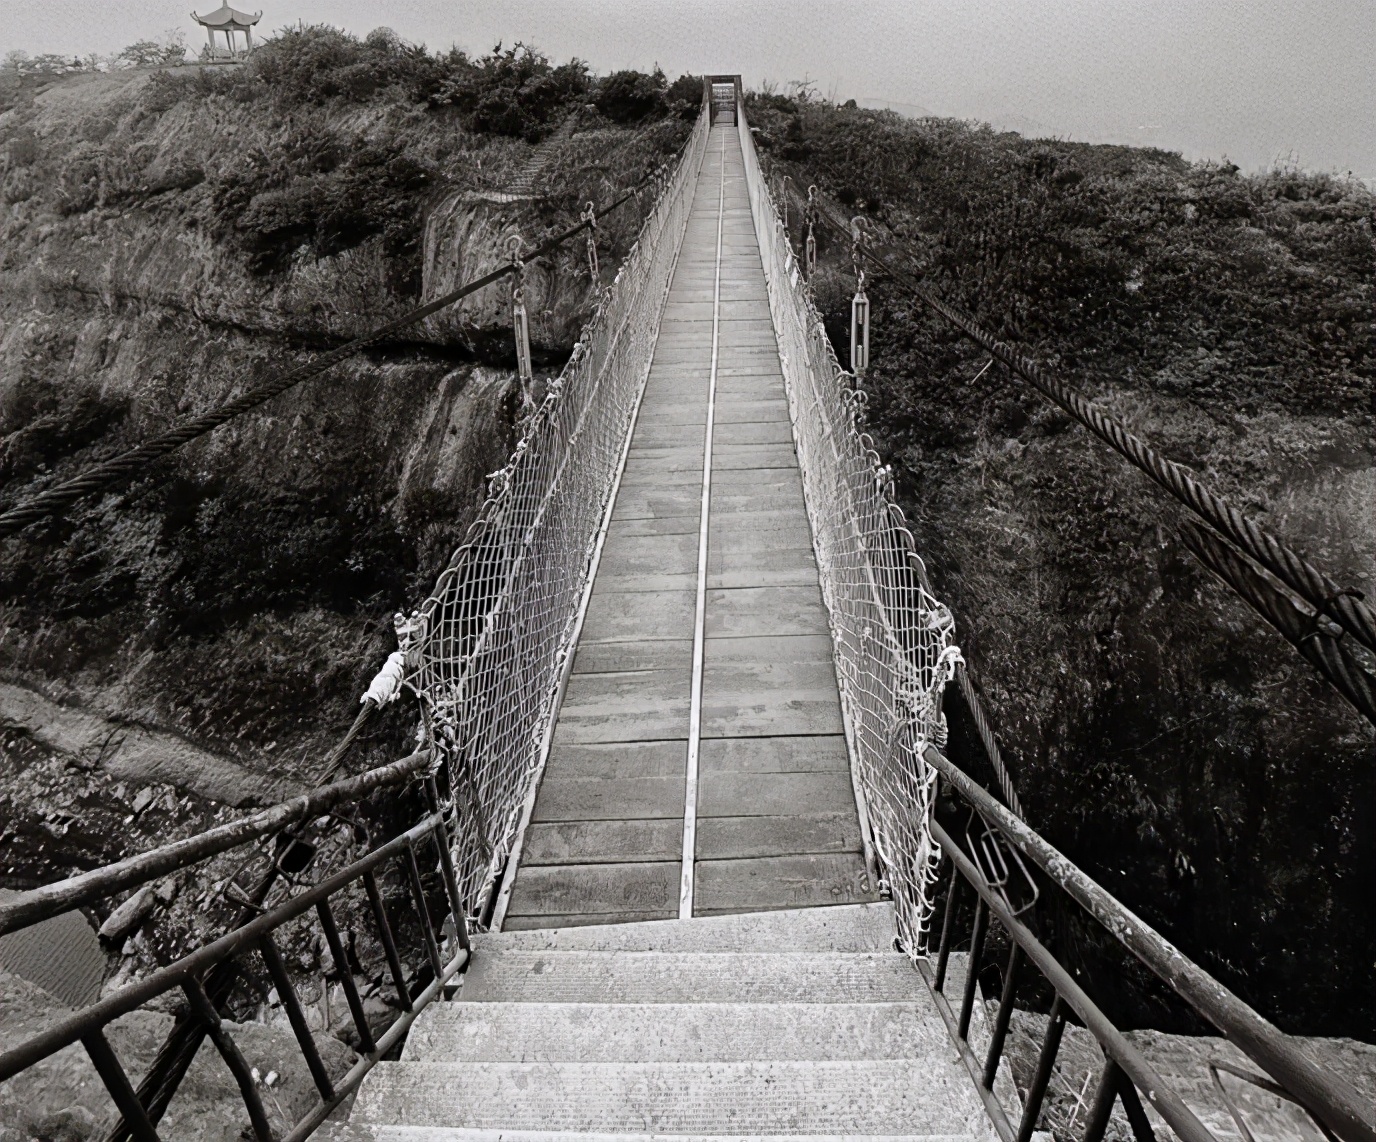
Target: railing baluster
[
  {"x": 108, "y": 1067},
  {"x": 389, "y": 943},
  {"x": 1010, "y": 987},
  {"x": 233, "y": 1057},
  {"x": 287, "y": 994},
  {"x": 944, "y": 953},
  {"x": 1036, "y": 1093},
  {"x": 1104, "y": 1097},
  {"x": 451, "y": 884},
  {"x": 366, "y": 1045},
  {"x": 967, "y": 1005},
  {"x": 1137, "y": 1117},
  {"x": 432, "y": 947}
]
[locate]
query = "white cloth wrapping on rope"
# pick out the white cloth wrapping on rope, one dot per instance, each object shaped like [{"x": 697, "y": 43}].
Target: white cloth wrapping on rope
[{"x": 386, "y": 683}]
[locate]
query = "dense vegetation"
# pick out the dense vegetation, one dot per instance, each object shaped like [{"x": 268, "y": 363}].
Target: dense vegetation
[
  {"x": 1160, "y": 733},
  {"x": 169, "y": 236}
]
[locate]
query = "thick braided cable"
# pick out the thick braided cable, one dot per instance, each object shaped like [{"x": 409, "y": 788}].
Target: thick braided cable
[
  {"x": 108, "y": 472},
  {"x": 1345, "y": 607},
  {"x": 1324, "y": 652},
  {"x": 986, "y": 735}
]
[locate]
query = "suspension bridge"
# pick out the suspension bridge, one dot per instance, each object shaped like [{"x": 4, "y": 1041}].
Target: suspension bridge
[{"x": 680, "y": 870}]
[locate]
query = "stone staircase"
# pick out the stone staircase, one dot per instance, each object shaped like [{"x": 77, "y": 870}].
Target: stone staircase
[
  {"x": 522, "y": 187},
  {"x": 799, "y": 1024}
]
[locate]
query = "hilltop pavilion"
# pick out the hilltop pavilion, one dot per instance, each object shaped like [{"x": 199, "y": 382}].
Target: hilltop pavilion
[{"x": 229, "y": 21}]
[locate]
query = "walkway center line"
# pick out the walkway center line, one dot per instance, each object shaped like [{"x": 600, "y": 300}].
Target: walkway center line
[{"x": 690, "y": 798}]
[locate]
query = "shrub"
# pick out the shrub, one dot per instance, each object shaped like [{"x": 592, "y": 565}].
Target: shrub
[
  {"x": 320, "y": 64},
  {"x": 516, "y": 92},
  {"x": 631, "y": 96},
  {"x": 683, "y": 97},
  {"x": 323, "y": 198}
]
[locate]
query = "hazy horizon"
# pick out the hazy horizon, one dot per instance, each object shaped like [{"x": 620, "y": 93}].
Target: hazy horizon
[{"x": 1259, "y": 83}]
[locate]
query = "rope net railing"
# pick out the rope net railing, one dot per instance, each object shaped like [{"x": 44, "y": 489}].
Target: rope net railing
[
  {"x": 485, "y": 653},
  {"x": 893, "y": 643}
]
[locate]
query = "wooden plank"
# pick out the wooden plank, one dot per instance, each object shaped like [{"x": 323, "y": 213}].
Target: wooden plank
[
  {"x": 765, "y": 368},
  {"x": 628, "y": 707},
  {"x": 767, "y": 522},
  {"x": 617, "y": 581},
  {"x": 696, "y": 354},
  {"x": 749, "y": 411},
  {"x": 613, "y": 761},
  {"x": 668, "y": 554},
  {"x": 595, "y": 799},
  {"x": 660, "y": 525},
  {"x": 735, "y": 328},
  {"x": 802, "y": 648},
  {"x": 739, "y": 611},
  {"x": 773, "y": 431},
  {"x": 758, "y": 884},
  {"x": 681, "y": 458},
  {"x": 609, "y": 691},
  {"x": 732, "y": 709},
  {"x": 728, "y": 838},
  {"x": 656, "y": 502},
  {"x": 764, "y": 502},
  {"x": 776, "y": 567},
  {"x": 605, "y": 842},
  {"x": 754, "y": 456},
  {"x": 637, "y": 654},
  {"x": 759, "y": 531},
  {"x": 736, "y": 481},
  {"x": 680, "y": 415},
  {"x": 640, "y": 615},
  {"x": 659, "y": 436},
  {"x": 732, "y": 390},
  {"x": 811, "y": 754},
  {"x": 645, "y": 473},
  {"x": 571, "y": 889},
  {"x": 775, "y": 794}
]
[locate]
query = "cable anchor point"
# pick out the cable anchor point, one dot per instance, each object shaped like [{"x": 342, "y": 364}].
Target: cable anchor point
[{"x": 859, "y": 304}]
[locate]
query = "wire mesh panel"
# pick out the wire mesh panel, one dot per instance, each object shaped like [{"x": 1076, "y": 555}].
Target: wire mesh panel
[
  {"x": 892, "y": 638},
  {"x": 486, "y": 652}
]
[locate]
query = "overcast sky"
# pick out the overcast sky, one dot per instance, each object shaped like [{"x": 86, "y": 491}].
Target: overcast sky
[{"x": 1255, "y": 80}]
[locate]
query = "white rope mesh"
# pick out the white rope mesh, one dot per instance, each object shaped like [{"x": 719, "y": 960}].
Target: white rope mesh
[
  {"x": 488, "y": 648},
  {"x": 892, "y": 638},
  {"x": 487, "y": 651}
]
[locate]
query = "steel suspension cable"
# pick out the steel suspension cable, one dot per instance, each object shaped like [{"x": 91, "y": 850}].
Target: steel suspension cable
[
  {"x": 1345, "y": 606},
  {"x": 1305, "y": 632},
  {"x": 108, "y": 472}
]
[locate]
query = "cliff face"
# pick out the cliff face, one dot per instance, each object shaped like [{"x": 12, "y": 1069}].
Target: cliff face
[
  {"x": 169, "y": 239},
  {"x": 1159, "y": 732}
]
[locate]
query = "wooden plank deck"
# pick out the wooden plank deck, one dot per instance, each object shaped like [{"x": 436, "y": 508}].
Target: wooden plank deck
[{"x": 772, "y": 811}]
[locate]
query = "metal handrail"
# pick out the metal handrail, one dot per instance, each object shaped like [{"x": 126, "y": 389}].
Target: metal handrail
[
  {"x": 1331, "y": 1099},
  {"x": 29, "y": 908},
  {"x": 1117, "y": 1049},
  {"x": 189, "y": 973}
]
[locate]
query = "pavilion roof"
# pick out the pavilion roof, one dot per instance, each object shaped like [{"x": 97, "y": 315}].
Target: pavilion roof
[{"x": 226, "y": 17}]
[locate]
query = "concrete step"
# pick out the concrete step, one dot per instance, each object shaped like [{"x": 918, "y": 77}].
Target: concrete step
[
  {"x": 359, "y": 1132},
  {"x": 848, "y": 928},
  {"x": 674, "y": 1033},
  {"x": 924, "y": 1098},
  {"x": 692, "y": 977}
]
